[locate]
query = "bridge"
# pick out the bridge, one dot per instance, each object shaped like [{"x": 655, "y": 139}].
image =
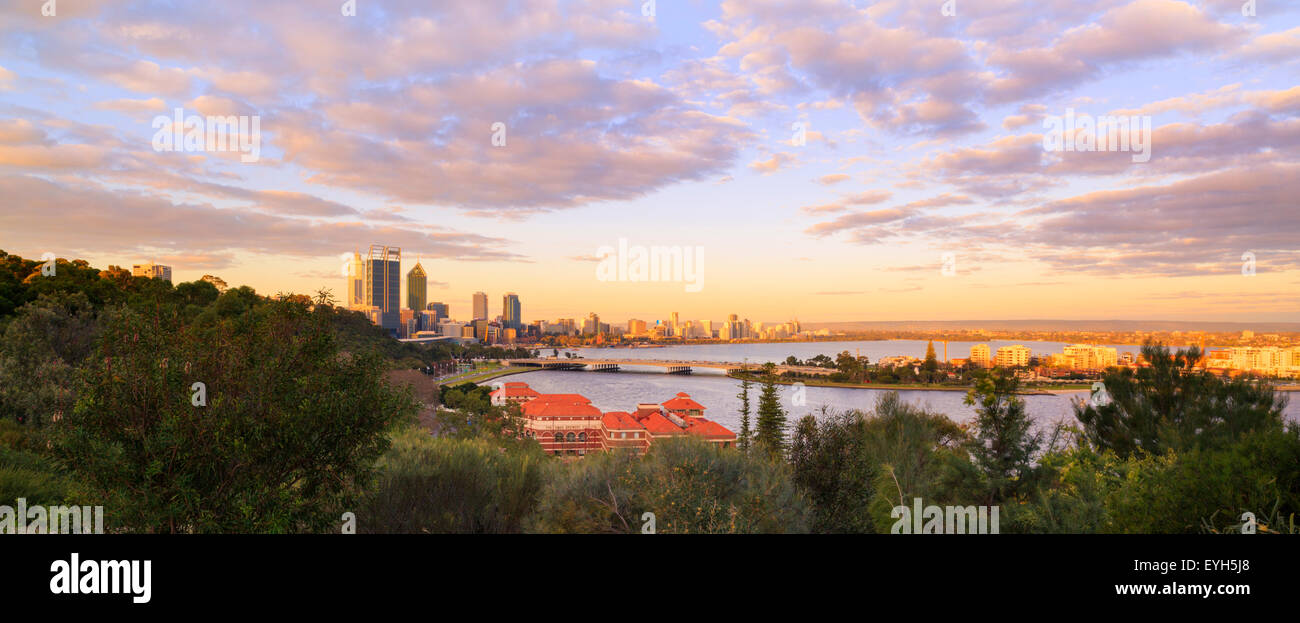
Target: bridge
[{"x": 669, "y": 366}]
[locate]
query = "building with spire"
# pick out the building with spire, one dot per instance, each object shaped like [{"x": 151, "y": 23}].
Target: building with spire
[{"x": 417, "y": 288}]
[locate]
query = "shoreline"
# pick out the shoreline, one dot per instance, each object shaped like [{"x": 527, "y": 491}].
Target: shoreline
[{"x": 921, "y": 388}]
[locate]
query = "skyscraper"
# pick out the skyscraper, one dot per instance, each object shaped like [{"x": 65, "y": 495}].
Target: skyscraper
[
  {"x": 417, "y": 284},
  {"x": 510, "y": 312},
  {"x": 480, "y": 306},
  {"x": 440, "y": 310},
  {"x": 355, "y": 294},
  {"x": 383, "y": 284}
]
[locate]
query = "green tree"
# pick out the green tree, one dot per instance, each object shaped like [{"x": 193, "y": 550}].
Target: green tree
[
  {"x": 1005, "y": 443},
  {"x": 41, "y": 349},
  {"x": 286, "y": 433},
  {"x": 744, "y": 439},
  {"x": 770, "y": 430},
  {"x": 1170, "y": 405},
  {"x": 931, "y": 365},
  {"x": 855, "y": 467}
]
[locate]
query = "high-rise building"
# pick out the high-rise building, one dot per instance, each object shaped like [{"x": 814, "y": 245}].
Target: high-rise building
[
  {"x": 152, "y": 271},
  {"x": 1012, "y": 356},
  {"x": 355, "y": 297},
  {"x": 981, "y": 356},
  {"x": 636, "y": 327},
  {"x": 591, "y": 326},
  {"x": 383, "y": 284},
  {"x": 480, "y": 306},
  {"x": 510, "y": 318},
  {"x": 441, "y": 310},
  {"x": 417, "y": 285}
]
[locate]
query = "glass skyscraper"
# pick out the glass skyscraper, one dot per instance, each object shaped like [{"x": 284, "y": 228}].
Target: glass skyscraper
[{"x": 384, "y": 283}]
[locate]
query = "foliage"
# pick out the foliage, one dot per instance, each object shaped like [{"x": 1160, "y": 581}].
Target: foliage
[
  {"x": 1169, "y": 406},
  {"x": 440, "y": 485},
  {"x": 691, "y": 486},
  {"x": 855, "y": 467},
  {"x": 289, "y": 427},
  {"x": 769, "y": 434}
]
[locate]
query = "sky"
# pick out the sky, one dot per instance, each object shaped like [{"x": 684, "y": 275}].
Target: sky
[{"x": 820, "y": 160}]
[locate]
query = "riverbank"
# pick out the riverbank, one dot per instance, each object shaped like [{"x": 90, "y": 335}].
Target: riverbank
[
  {"x": 479, "y": 377},
  {"x": 1029, "y": 391}
]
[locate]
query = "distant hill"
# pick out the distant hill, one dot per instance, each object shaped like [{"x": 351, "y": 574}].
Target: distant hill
[{"x": 1035, "y": 324}]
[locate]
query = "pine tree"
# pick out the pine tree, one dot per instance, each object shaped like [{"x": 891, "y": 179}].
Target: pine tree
[
  {"x": 931, "y": 365},
  {"x": 743, "y": 442},
  {"x": 770, "y": 434}
]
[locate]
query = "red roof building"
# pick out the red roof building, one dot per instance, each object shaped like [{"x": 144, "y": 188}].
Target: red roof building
[
  {"x": 517, "y": 393},
  {"x": 568, "y": 424}
]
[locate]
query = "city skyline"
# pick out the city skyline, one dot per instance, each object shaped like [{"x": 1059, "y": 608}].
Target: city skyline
[{"x": 807, "y": 173}]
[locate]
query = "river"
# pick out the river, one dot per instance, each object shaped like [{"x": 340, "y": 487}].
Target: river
[{"x": 622, "y": 391}]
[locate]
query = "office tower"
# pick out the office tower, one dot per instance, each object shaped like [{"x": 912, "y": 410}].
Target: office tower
[
  {"x": 480, "y": 306},
  {"x": 152, "y": 271},
  {"x": 636, "y": 327},
  {"x": 383, "y": 284},
  {"x": 591, "y": 326},
  {"x": 510, "y": 318},
  {"x": 441, "y": 310},
  {"x": 355, "y": 295},
  {"x": 417, "y": 285}
]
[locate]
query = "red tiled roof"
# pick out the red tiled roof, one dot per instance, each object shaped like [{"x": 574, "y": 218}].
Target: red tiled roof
[
  {"x": 682, "y": 402},
  {"x": 516, "y": 390},
  {"x": 658, "y": 424},
  {"x": 538, "y": 408},
  {"x": 707, "y": 429},
  {"x": 618, "y": 420},
  {"x": 560, "y": 405}
]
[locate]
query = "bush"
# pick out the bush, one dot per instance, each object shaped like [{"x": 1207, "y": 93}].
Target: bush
[
  {"x": 428, "y": 484},
  {"x": 691, "y": 486},
  {"x": 855, "y": 467},
  {"x": 1208, "y": 489}
]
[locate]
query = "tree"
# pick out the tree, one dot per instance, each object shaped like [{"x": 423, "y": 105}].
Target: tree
[
  {"x": 256, "y": 424},
  {"x": 1169, "y": 405},
  {"x": 770, "y": 430},
  {"x": 931, "y": 365},
  {"x": 856, "y": 467},
  {"x": 41, "y": 349},
  {"x": 743, "y": 441},
  {"x": 325, "y": 296},
  {"x": 1004, "y": 443}
]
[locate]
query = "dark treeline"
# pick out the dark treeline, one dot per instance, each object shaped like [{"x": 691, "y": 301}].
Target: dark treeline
[{"x": 186, "y": 409}]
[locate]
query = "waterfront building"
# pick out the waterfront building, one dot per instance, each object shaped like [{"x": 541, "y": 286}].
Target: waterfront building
[
  {"x": 980, "y": 356},
  {"x": 1012, "y": 356},
  {"x": 568, "y": 424}
]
